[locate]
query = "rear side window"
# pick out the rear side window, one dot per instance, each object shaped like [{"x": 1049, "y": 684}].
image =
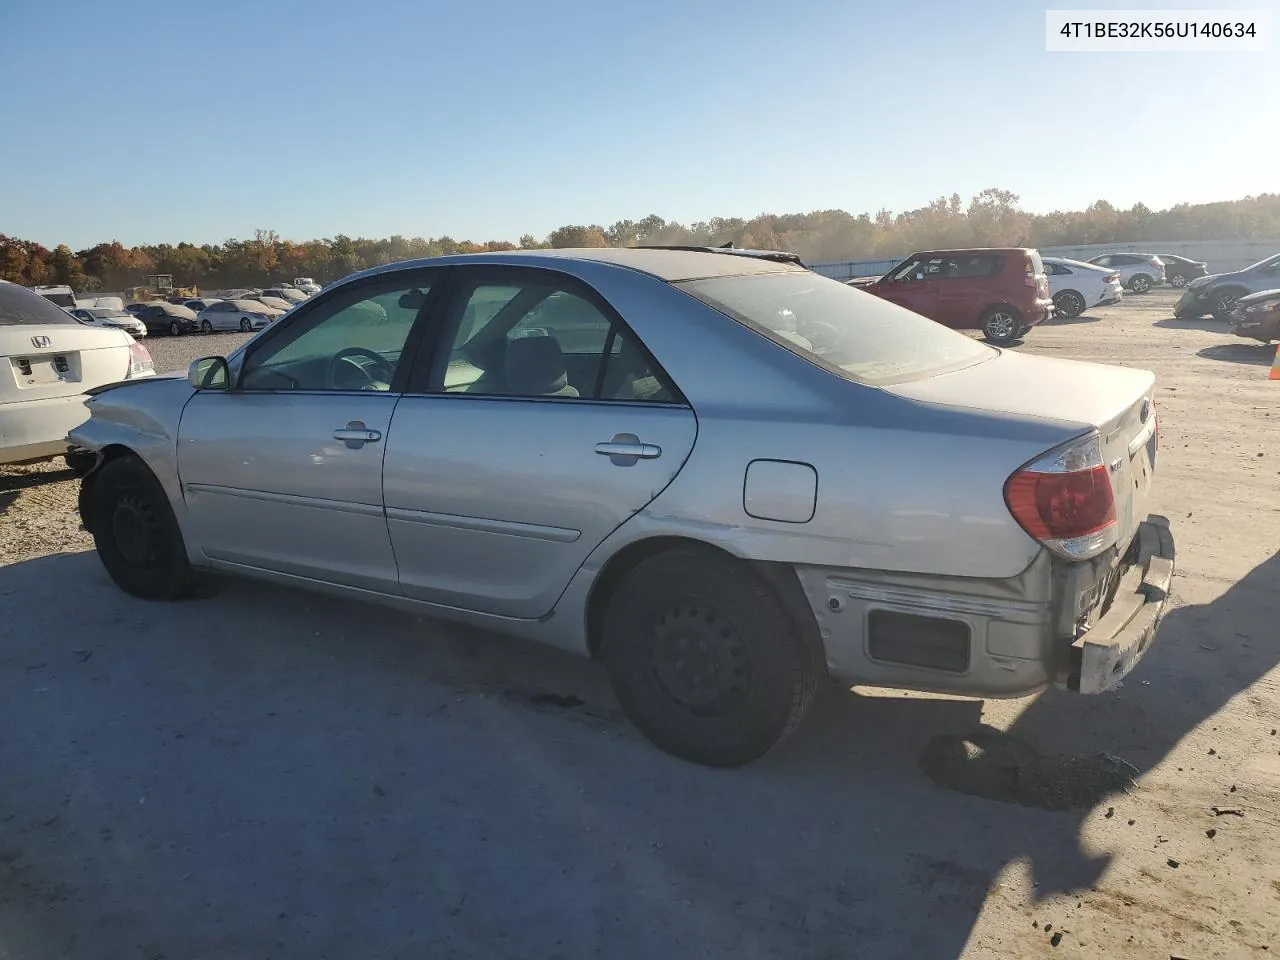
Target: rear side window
[
  {"x": 972, "y": 266},
  {"x": 846, "y": 331},
  {"x": 20, "y": 306}
]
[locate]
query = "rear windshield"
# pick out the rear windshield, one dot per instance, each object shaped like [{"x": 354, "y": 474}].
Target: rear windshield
[
  {"x": 18, "y": 305},
  {"x": 854, "y": 334}
]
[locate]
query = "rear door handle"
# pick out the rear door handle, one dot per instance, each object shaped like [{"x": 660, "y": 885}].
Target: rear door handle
[
  {"x": 355, "y": 434},
  {"x": 625, "y": 449}
]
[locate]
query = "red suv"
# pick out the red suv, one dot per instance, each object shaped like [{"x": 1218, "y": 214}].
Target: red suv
[{"x": 1002, "y": 292}]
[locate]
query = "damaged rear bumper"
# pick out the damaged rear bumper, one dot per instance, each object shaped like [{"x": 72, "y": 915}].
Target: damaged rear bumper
[{"x": 1106, "y": 653}]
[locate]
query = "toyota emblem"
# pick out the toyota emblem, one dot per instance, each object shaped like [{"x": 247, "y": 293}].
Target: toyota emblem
[{"x": 40, "y": 342}]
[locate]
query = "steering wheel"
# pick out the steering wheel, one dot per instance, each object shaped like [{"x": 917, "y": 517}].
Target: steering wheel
[{"x": 379, "y": 365}]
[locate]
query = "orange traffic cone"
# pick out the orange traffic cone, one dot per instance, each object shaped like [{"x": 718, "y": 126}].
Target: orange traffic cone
[{"x": 1275, "y": 366}]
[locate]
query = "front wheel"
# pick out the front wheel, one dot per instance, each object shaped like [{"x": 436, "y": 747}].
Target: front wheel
[
  {"x": 1068, "y": 304},
  {"x": 245, "y": 325},
  {"x": 136, "y": 534},
  {"x": 705, "y": 659},
  {"x": 1224, "y": 303},
  {"x": 1001, "y": 325},
  {"x": 206, "y": 326},
  {"x": 1178, "y": 280},
  {"x": 1141, "y": 283},
  {"x": 174, "y": 329}
]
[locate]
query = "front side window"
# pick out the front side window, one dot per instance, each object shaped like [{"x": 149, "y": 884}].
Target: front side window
[
  {"x": 542, "y": 338},
  {"x": 353, "y": 341},
  {"x": 851, "y": 333},
  {"x": 919, "y": 268}
]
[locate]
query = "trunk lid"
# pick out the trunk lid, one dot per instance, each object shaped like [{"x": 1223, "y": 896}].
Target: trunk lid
[
  {"x": 38, "y": 361},
  {"x": 1116, "y": 401}
]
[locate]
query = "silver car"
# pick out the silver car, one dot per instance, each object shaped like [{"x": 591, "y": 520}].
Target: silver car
[{"x": 726, "y": 476}]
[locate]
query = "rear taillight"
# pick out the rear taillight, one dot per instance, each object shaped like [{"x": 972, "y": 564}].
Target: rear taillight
[
  {"x": 1111, "y": 278},
  {"x": 139, "y": 360},
  {"x": 1065, "y": 501},
  {"x": 1157, "y": 262}
]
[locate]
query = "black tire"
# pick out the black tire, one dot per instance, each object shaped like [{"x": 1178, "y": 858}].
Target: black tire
[
  {"x": 245, "y": 325},
  {"x": 1178, "y": 280},
  {"x": 705, "y": 659},
  {"x": 1224, "y": 303},
  {"x": 174, "y": 329},
  {"x": 1001, "y": 325},
  {"x": 135, "y": 532},
  {"x": 80, "y": 462},
  {"x": 1069, "y": 303},
  {"x": 206, "y": 326},
  {"x": 1140, "y": 283}
]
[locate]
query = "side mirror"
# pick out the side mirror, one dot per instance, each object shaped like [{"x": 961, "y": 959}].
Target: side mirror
[{"x": 209, "y": 373}]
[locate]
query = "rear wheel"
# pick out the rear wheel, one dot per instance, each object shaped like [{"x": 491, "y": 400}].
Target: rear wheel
[
  {"x": 1178, "y": 280},
  {"x": 245, "y": 325},
  {"x": 136, "y": 534},
  {"x": 1140, "y": 283},
  {"x": 705, "y": 659},
  {"x": 174, "y": 329},
  {"x": 1001, "y": 325},
  {"x": 1068, "y": 303},
  {"x": 206, "y": 326}
]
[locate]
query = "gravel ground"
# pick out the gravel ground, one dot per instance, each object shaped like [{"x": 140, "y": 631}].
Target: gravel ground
[{"x": 266, "y": 773}]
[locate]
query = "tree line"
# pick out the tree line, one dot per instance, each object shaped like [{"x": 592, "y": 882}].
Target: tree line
[{"x": 991, "y": 218}]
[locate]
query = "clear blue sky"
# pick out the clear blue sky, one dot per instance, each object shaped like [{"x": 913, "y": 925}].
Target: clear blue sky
[{"x": 168, "y": 120}]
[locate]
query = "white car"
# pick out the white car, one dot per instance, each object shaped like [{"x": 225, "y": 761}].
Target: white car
[
  {"x": 48, "y": 359},
  {"x": 1139, "y": 272},
  {"x": 306, "y": 285},
  {"x": 1076, "y": 286},
  {"x": 288, "y": 294},
  {"x": 244, "y": 315},
  {"x": 115, "y": 319}
]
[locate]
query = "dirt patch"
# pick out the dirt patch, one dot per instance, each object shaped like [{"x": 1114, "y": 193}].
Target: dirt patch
[{"x": 991, "y": 764}]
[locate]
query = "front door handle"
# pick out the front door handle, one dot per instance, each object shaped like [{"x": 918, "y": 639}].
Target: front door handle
[
  {"x": 625, "y": 449},
  {"x": 355, "y": 434}
]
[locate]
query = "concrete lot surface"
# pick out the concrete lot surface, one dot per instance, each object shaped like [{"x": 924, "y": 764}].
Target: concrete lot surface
[{"x": 263, "y": 773}]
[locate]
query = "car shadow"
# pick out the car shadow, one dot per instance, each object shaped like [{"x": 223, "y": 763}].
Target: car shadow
[
  {"x": 1057, "y": 320},
  {"x": 1193, "y": 323},
  {"x": 1258, "y": 354},
  {"x": 371, "y": 764},
  {"x": 12, "y": 484}
]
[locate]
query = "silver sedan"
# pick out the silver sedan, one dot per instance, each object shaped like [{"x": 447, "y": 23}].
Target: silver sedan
[{"x": 727, "y": 477}]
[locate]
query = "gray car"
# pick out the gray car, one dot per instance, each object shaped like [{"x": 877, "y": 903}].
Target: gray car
[
  {"x": 1218, "y": 293},
  {"x": 727, "y": 477}
]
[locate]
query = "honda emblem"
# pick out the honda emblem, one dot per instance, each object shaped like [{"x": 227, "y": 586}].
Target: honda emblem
[{"x": 40, "y": 342}]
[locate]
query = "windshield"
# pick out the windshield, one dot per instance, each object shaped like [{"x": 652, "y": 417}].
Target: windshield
[
  {"x": 20, "y": 305},
  {"x": 1265, "y": 262},
  {"x": 852, "y": 333}
]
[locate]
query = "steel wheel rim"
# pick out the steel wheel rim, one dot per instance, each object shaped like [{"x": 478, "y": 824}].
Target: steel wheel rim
[
  {"x": 133, "y": 530},
  {"x": 698, "y": 660},
  {"x": 1001, "y": 325}
]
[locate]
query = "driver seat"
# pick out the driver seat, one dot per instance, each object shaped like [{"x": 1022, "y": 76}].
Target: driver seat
[{"x": 535, "y": 367}]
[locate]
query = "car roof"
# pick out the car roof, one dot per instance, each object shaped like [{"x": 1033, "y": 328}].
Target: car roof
[
  {"x": 970, "y": 250},
  {"x": 665, "y": 264}
]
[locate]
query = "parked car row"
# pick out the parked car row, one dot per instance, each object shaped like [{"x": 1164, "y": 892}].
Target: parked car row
[{"x": 248, "y": 311}]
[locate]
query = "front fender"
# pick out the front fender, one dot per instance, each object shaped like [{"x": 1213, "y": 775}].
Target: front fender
[{"x": 142, "y": 419}]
